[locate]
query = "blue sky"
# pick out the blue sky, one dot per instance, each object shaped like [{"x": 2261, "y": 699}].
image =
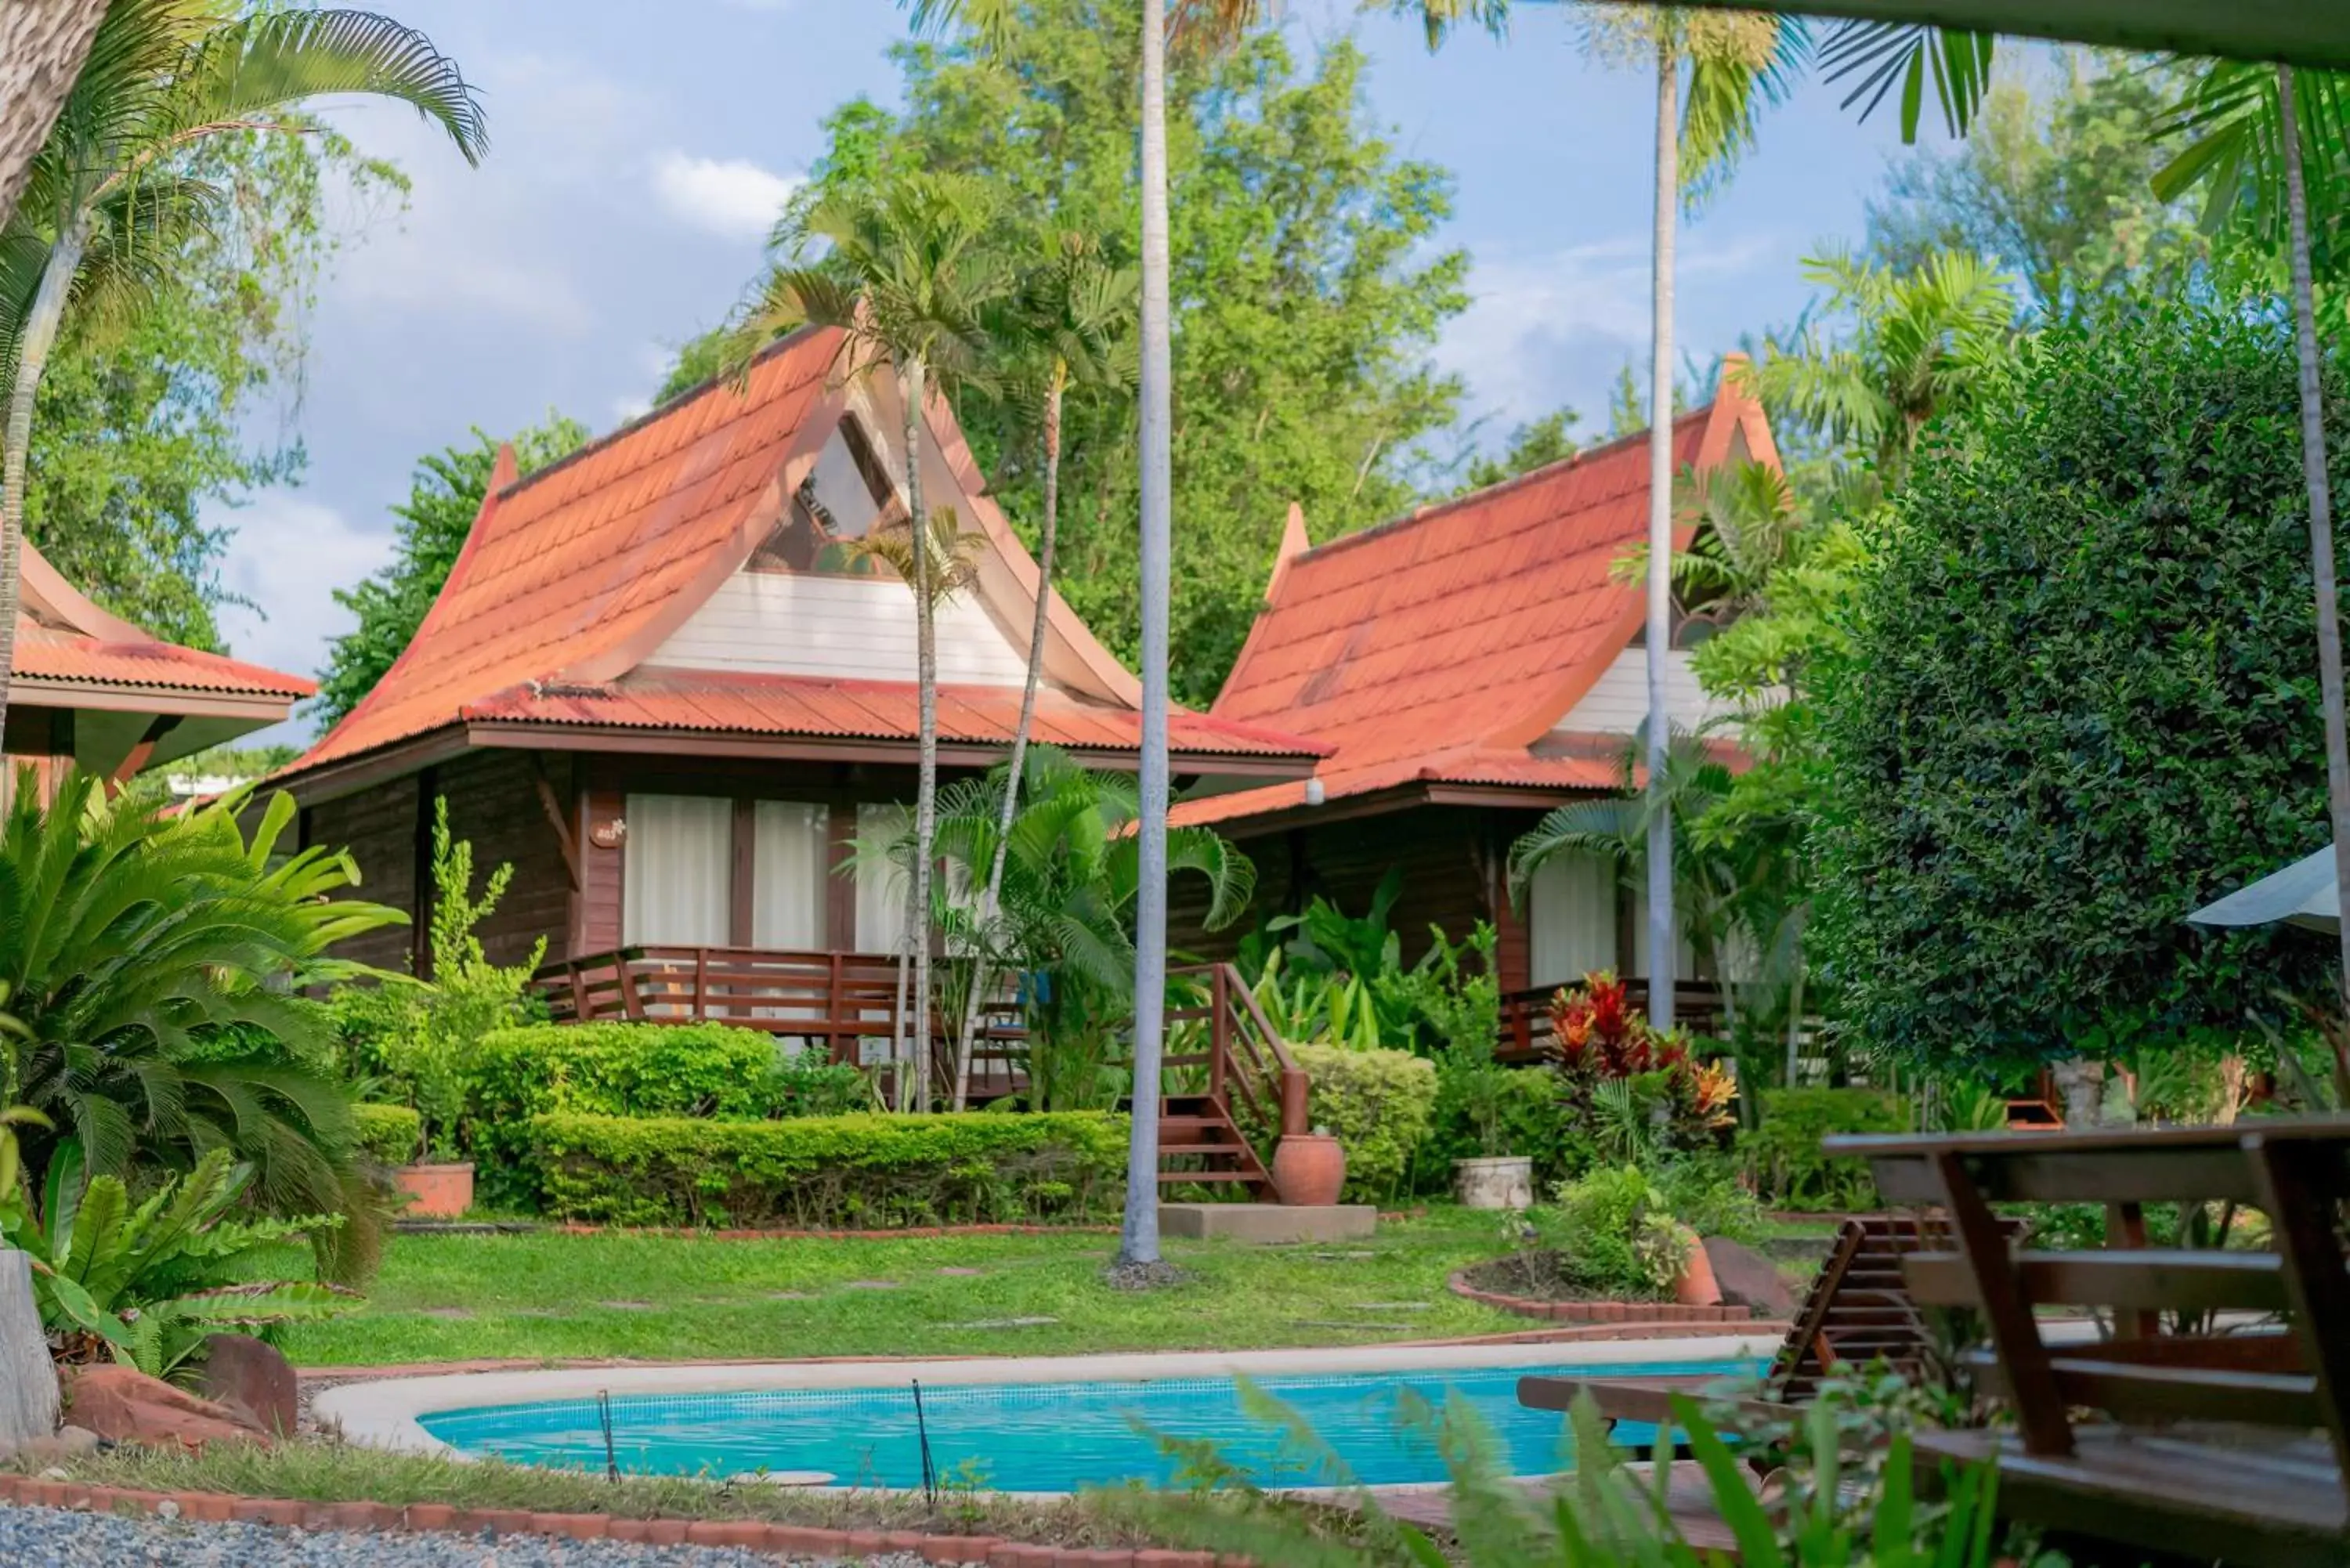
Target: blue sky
[{"x": 638, "y": 152}]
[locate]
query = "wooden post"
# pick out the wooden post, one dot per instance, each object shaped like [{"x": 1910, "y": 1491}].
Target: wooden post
[
  {"x": 2022, "y": 1354},
  {"x": 1219, "y": 1032},
  {"x": 625, "y": 969},
  {"x": 701, "y": 985},
  {"x": 1296, "y": 1118},
  {"x": 2301, "y": 1184},
  {"x": 579, "y": 1013}
]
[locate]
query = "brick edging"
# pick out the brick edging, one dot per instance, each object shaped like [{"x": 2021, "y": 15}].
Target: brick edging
[
  {"x": 1595, "y": 1311},
  {"x": 753, "y": 1535}
]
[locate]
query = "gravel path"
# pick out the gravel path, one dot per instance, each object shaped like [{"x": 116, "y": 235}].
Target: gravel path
[{"x": 49, "y": 1538}]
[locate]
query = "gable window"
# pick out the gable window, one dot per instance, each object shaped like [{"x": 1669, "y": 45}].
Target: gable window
[
  {"x": 673, "y": 878},
  {"x": 843, "y": 498}
]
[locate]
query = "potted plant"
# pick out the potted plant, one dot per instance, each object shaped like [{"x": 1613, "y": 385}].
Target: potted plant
[
  {"x": 1494, "y": 1178},
  {"x": 438, "y": 1183}
]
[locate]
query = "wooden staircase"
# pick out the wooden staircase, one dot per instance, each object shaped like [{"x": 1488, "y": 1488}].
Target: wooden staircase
[{"x": 1239, "y": 1077}]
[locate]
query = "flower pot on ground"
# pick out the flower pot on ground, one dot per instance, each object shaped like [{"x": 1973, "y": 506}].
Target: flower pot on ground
[
  {"x": 1498, "y": 1181},
  {"x": 1309, "y": 1170},
  {"x": 436, "y": 1192},
  {"x": 1695, "y": 1285},
  {"x": 2081, "y": 1085}
]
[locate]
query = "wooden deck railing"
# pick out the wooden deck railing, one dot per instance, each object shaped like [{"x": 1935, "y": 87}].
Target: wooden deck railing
[
  {"x": 1242, "y": 1064},
  {"x": 1525, "y": 1015}
]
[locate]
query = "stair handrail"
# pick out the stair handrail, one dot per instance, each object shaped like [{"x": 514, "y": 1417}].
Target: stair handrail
[{"x": 1246, "y": 1045}]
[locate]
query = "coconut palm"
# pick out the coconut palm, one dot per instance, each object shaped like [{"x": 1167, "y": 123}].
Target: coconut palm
[
  {"x": 2257, "y": 133},
  {"x": 107, "y": 206},
  {"x": 1075, "y": 308},
  {"x": 903, "y": 275},
  {"x": 42, "y": 46}
]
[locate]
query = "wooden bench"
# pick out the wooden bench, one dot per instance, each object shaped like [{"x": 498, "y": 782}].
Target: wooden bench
[{"x": 2210, "y": 1422}]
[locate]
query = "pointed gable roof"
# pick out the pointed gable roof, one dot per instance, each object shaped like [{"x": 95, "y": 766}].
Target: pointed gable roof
[
  {"x": 66, "y": 645},
  {"x": 1440, "y": 646},
  {"x": 571, "y": 576}
]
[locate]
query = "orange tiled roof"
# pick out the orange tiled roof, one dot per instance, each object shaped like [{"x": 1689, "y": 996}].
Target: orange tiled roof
[
  {"x": 51, "y": 653},
  {"x": 876, "y": 710},
  {"x": 1438, "y": 647}
]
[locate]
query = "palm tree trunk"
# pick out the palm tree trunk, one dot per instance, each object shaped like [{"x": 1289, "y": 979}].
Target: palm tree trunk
[
  {"x": 1139, "y": 1239},
  {"x": 40, "y": 335},
  {"x": 1662, "y": 945},
  {"x": 1013, "y": 764},
  {"x": 926, "y": 686},
  {"x": 42, "y": 46},
  {"x": 2320, "y": 513}
]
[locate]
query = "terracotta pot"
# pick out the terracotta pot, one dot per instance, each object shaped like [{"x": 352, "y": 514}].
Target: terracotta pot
[
  {"x": 436, "y": 1192},
  {"x": 1309, "y": 1170},
  {"x": 1697, "y": 1286},
  {"x": 1504, "y": 1182}
]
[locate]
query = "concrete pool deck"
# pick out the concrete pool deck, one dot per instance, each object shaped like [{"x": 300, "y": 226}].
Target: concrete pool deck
[{"x": 387, "y": 1412}]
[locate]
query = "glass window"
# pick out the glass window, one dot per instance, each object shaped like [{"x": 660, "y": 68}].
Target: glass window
[
  {"x": 675, "y": 870},
  {"x": 787, "y": 886},
  {"x": 1571, "y": 918}
]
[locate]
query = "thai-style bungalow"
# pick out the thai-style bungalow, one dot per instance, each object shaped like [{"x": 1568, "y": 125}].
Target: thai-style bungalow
[
  {"x": 664, "y": 684},
  {"x": 1470, "y": 666},
  {"x": 90, "y": 690}
]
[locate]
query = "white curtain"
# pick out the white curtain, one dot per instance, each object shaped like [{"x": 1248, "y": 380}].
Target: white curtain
[
  {"x": 675, "y": 873},
  {"x": 788, "y": 903},
  {"x": 880, "y": 889},
  {"x": 1571, "y": 918}
]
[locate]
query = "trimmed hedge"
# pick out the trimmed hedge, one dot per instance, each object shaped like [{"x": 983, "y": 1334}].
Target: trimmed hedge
[
  {"x": 1379, "y": 1104},
  {"x": 1783, "y": 1155},
  {"x": 867, "y": 1170},
  {"x": 388, "y": 1134}
]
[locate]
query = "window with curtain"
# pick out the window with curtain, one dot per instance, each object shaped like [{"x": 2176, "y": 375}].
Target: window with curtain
[
  {"x": 788, "y": 868},
  {"x": 881, "y": 888},
  {"x": 1571, "y": 918},
  {"x": 675, "y": 873}
]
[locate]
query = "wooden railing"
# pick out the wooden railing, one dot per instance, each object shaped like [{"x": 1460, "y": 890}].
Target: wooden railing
[
  {"x": 1242, "y": 1064},
  {"x": 834, "y": 1001},
  {"x": 1526, "y": 1016}
]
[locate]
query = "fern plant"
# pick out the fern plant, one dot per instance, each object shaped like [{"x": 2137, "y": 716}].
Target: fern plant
[{"x": 154, "y": 1278}]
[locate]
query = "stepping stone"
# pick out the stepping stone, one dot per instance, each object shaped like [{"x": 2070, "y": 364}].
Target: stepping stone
[
  {"x": 1006, "y": 1323},
  {"x": 626, "y": 1306},
  {"x": 869, "y": 1285}
]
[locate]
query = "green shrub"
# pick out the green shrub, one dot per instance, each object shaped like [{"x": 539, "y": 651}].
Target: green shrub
[
  {"x": 863, "y": 1170},
  {"x": 1703, "y": 1192},
  {"x": 1616, "y": 1236},
  {"x": 389, "y": 1135},
  {"x": 1782, "y": 1158},
  {"x": 651, "y": 1070},
  {"x": 1379, "y": 1104},
  {"x": 1531, "y": 1118}
]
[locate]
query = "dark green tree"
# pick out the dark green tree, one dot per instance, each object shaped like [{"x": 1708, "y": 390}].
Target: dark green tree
[
  {"x": 445, "y": 494},
  {"x": 1307, "y": 295},
  {"x": 1534, "y": 444},
  {"x": 2078, "y": 701}
]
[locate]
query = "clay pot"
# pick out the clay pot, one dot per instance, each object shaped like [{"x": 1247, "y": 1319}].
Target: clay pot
[
  {"x": 1309, "y": 1170},
  {"x": 1506, "y": 1181},
  {"x": 436, "y": 1192},
  {"x": 1697, "y": 1286}
]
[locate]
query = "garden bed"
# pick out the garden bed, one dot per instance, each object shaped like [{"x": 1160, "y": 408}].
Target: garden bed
[{"x": 1534, "y": 1284}]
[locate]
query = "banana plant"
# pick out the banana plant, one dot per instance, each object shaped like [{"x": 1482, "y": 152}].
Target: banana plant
[{"x": 152, "y": 1279}]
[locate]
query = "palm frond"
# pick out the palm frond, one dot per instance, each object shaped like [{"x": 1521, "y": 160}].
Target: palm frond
[{"x": 1879, "y": 57}]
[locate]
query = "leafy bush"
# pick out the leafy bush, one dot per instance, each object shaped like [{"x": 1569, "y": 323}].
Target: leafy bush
[
  {"x": 1377, "y": 1104},
  {"x": 1527, "y": 1113},
  {"x": 388, "y": 1135},
  {"x": 1616, "y": 1236},
  {"x": 2079, "y": 700},
  {"x": 150, "y": 961},
  {"x": 1638, "y": 1094},
  {"x": 863, "y": 1170},
  {"x": 1783, "y": 1155},
  {"x": 1704, "y": 1193},
  {"x": 153, "y": 1279}
]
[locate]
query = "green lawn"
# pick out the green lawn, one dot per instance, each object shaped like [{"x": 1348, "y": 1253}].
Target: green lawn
[{"x": 445, "y": 1298}]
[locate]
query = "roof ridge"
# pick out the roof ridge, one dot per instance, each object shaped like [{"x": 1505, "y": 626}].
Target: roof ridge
[
  {"x": 1478, "y": 497},
  {"x": 667, "y": 406}
]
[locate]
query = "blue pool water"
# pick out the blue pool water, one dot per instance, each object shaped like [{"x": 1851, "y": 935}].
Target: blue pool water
[{"x": 1034, "y": 1436}]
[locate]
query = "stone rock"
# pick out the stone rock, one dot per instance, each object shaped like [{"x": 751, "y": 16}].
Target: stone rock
[
  {"x": 252, "y": 1379},
  {"x": 124, "y": 1404},
  {"x": 1748, "y": 1279},
  {"x": 29, "y": 1383},
  {"x": 68, "y": 1442}
]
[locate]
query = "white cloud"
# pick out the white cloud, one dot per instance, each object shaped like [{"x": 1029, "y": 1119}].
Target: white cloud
[
  {"x": 729, "y": 196},
  {"x": 287, "y": 554}
]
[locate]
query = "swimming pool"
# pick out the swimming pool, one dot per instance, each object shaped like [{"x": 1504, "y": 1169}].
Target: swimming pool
[{"x": 1032, "y": 1436}]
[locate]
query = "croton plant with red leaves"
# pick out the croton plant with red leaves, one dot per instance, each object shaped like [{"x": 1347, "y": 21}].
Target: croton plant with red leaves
[{"x": 1602, "y": 1036}]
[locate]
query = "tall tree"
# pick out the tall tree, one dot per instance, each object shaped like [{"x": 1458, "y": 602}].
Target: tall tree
[
  {"x": 42, "y": 46},
  {"x": 444, "y": 496},
  {"x": 1074, "y": 317},
  {"x": 904, "y": 276},
  {"x": 111, "y": 189}
]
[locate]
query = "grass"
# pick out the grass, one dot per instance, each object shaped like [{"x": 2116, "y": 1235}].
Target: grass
[
  {"x": 318, "y": 1470},
  {"x": 554, "y": 1297}
]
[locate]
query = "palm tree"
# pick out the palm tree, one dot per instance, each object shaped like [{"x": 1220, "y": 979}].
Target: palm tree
[
  {"x": 2256, "y": 129},
  {"x": 1075, "y": 308},
  {"x": 905, "y": 278},
  {"x": 105, "y": 208},
  {"x": 42, "y": 46}
]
